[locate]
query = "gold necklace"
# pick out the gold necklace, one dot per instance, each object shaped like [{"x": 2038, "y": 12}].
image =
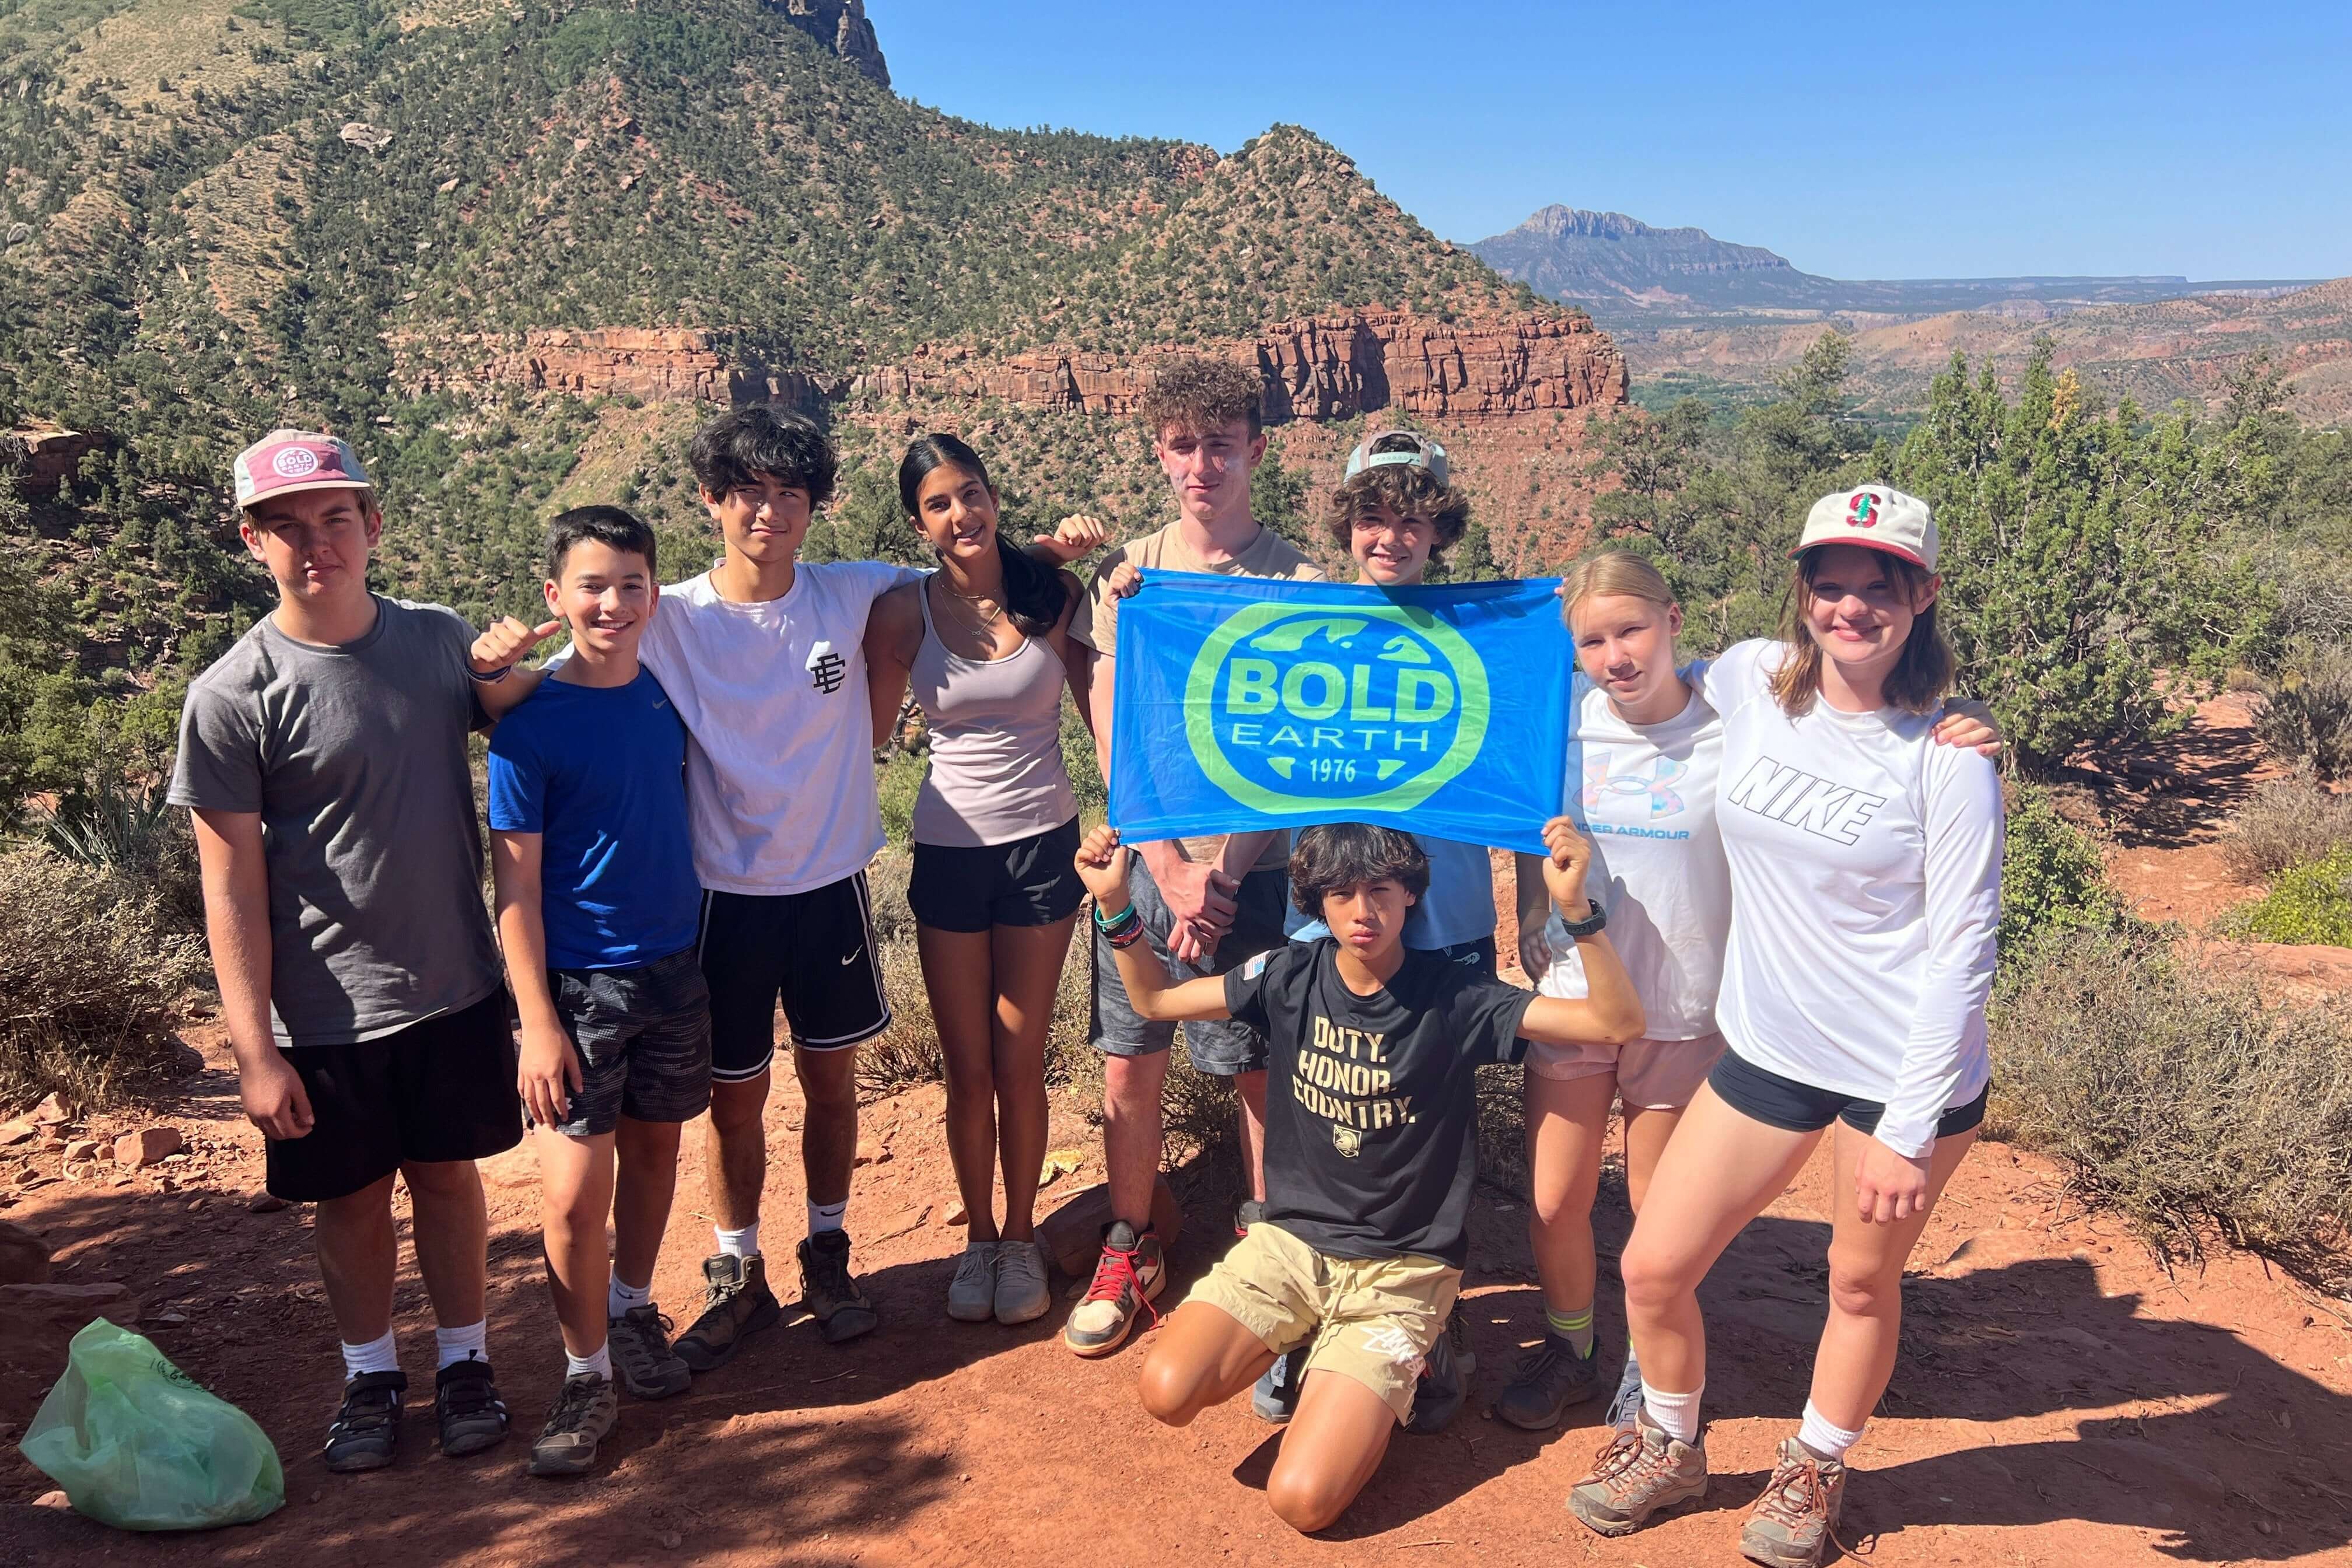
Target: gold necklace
[{"x": 985, "y": 620}]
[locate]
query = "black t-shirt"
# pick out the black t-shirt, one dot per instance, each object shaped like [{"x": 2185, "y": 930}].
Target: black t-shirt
[{"x": 1371, "y": 1102}]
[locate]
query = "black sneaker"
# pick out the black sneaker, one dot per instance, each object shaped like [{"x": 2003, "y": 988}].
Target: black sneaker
[
  {"x": 643, "y": 1361},
  {"x": 1551, "y": 1378},
  {"x": 585, "y": 1414},
  {"x": 1275, "y": 1396},
  {"x": 840, "y": 1306},
  {"x": 1444, "y": 1383},
  {"x": 467, "y": 1404},
  {"x": 737, "y": 1303},
  {"x": 366, "y": 1433},
  {"x": 1250, "y": 1212}
]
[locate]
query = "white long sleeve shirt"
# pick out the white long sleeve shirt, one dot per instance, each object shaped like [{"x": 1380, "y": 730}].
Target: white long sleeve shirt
[{"x": 1866, "y": 876}]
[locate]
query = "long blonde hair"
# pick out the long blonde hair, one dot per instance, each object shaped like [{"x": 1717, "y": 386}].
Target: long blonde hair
[
  {"x": 1610, "y": 572},
  {"x": 1920, "y": 676}
]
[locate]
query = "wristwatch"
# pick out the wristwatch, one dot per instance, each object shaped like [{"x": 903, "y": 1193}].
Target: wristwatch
[{"x": 1590, "y": 925}]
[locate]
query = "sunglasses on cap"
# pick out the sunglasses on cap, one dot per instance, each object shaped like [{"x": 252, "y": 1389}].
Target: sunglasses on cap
[{"x": 1407, "y": 448}]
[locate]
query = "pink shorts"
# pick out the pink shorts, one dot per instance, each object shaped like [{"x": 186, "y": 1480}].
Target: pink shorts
[{"x": 1652, "y": 1075}]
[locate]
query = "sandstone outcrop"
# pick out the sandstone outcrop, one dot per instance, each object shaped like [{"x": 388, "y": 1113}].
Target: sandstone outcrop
[{"x": 655, "y": 365}]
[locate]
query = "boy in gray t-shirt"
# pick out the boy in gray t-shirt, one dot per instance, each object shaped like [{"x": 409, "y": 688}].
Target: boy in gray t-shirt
[{"x": 323, "y": 759}]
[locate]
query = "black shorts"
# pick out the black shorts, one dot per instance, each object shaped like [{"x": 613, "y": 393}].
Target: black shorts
[
  {"x": 1031, "y": 882},
  {"x": 643, "y": 1038},
  {"x": 1783, "y": 1102},
  {"x": 1478, "y": 957},
  {"x": 814, "y": 951},
  {"x": 438, "y": 1090},
  {"x": 1221, "y": 1049}
]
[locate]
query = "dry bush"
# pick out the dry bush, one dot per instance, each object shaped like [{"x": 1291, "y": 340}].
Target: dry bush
[
  {"x": 2285, "y": 823},
  {"x": 91, "y": 968},
  {"x": 2182, "y": 1097},
  {"x": 2306, "y": 718}
]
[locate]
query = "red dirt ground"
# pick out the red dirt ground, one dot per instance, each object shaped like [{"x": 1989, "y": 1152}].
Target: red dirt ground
[{"x": 2062, "y": 1399}]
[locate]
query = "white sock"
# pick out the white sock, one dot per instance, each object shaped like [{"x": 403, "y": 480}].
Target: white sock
[
  {"x": 1823, "y": 1440},
  {"x": 454, "y": 1345},
  {"x": 743, "y": 1243},
  {"x": 600, "y": 1363},
  {"x": 826, "y": 1217},
  {"x": 1676, "y": 1414},
  {"x": 376, "y": 1355},
  {"x": 620, "y": 1297}
]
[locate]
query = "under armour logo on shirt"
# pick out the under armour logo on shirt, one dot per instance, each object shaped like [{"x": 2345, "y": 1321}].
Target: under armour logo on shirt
[{"x": 827, "y": 668}]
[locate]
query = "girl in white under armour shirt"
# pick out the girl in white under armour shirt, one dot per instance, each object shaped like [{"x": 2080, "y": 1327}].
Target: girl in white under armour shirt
[{"x": 1864, "y": 865}]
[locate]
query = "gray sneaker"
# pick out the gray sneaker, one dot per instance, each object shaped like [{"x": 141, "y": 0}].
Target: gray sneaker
[
  {"x": 736, "y": 1305},
  {"x": 642, "y": 1357},
  {"x": 1022, "y": 1295},
  {"x": 1628, "y": 1397},
  {"x": 1445, "y": 1382},
  {"x": 972, "y": 1294},
  {"x": 1795, "y": 1521},
  {"x": 1551, "y": 1378},
  {"x": 1273, "y": 1398},
  {"x": 1639, "y": 1473},
  {"x": 584, "y": 1413}
]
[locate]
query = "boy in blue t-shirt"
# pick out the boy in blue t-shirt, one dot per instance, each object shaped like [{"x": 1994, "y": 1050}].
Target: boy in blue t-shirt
[{"x": 598, "y": 908}]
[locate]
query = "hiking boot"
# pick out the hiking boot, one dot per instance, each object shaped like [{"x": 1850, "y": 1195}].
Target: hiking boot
[
  {"x": 1022, "y": 1296},
  {"x": 1796, "y": 1518},
  {"x": 1130, "y": 1273},
  {"x": 467, "y": 1404},
  {"x": 1250, "y": 1212},
  {"x": 839, "y": 1304},
  {"x": 1551, "y": 1378},
  {"x": 1628, "y": 1397},
  {"x": 1273, "y": 1398},
  {"x": 643, "y": 1361},
  {"x": 737, "y": 1304},
  {"x": 366, "y": 1431},
  {"x": 584, "y": 1413},
  {"x": 972, "y": 1294},
  {"x": 1445, "y": 1382},
  {"x": 1642, "y": 1471}
]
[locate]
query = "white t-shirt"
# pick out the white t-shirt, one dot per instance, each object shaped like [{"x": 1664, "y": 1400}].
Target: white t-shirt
[
  {"x": 1865, "y": 877},
  {"x": 1648, "y": 792},
  {"x": 780, "y": 760}
]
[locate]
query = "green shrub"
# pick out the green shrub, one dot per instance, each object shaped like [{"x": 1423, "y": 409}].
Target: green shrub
[
  {"x": 2053, "y": 874},
  {"x": 2308, "y": 904},
  {"x": 133, "y": 835},
  {"x": 2285, "y": 823},
  {"x": 91, "y": 970},
  {"x": 2182, "y": 1097},
  {"x": 2306, "y": 718}
]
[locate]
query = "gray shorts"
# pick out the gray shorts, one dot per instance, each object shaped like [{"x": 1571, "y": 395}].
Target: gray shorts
[
  {"x": 1222, "y": 1049},
  {"x": 643, "y": 1035}
]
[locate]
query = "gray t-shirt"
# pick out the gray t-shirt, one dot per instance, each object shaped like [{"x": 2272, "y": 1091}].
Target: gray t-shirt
[{"x": 355, "y": 758}]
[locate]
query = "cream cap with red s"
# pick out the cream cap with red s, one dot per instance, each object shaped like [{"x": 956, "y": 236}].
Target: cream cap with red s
[{"x": 1875, "y": 517}]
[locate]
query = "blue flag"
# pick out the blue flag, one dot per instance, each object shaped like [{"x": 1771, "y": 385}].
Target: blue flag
[{"x": 1244, "y": 703}]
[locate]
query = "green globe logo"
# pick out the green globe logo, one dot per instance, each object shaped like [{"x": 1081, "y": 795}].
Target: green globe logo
[{"x": 1291, "y": 709}]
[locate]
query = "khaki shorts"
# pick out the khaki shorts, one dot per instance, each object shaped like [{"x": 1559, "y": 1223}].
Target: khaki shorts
[
  {"x": 1371, "y": 1319},
  {"x": 1652, "y": 1075}
]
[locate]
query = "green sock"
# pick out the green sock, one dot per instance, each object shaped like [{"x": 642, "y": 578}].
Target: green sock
[{"x": 1575, "y": 1327}]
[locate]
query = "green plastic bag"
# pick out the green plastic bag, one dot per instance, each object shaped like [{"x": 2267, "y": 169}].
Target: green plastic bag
[{"x": 136, "y": 1443}]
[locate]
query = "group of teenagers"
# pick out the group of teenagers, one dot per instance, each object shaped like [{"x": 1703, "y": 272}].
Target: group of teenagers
[{"x": 1767, "y": 912}]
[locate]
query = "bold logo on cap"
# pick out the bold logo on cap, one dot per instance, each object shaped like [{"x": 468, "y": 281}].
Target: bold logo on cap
[
  {"x": 1864, "y": 513},
  {"x": 295, "y": 462},
  {"x": 1291, "y": 709}
]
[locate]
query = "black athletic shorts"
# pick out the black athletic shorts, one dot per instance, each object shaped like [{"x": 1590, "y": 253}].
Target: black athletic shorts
[
  {"x": 643, "y": 1038},
  {"x": 438, "y": 1090},
  {"x": 1031, "y": 882},
  {"x": 1783, "y": 1102},
  {"x": 814, "y": 951}
]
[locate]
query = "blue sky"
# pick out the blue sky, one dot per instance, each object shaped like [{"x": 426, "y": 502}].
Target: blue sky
[{"x": 1882, "y": 141}]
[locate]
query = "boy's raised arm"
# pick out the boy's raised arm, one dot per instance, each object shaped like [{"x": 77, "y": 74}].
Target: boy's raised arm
[
  {"x": 1610, "y": 1013},
  {"x": 1103, "y": 863}
]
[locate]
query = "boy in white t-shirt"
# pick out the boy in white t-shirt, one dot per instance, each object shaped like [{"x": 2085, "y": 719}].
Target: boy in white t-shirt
[{"x": 763, "y": 655}]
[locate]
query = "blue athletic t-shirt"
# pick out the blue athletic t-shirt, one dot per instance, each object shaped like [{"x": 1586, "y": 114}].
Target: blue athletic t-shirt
[
  {"x": 1458, "y": 907},
  {"x": 599, "y": 772}
]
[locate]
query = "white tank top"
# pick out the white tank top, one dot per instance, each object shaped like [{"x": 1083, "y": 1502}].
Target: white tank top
[{"x": 996, "y": 771}]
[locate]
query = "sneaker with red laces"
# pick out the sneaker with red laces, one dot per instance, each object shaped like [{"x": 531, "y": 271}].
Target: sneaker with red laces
[
  {"x": 1640, "y": 1472},
  {"x": 1795, "y": 1521},
  {"x": 1130, "y": 1273}
]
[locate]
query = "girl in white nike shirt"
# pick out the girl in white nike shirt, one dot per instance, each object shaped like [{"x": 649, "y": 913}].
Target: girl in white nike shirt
[{"x": 1864, "y": 865}]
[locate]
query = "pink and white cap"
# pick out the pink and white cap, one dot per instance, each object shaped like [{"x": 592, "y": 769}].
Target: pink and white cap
[
  {"x": 1875, "y": 517},
  {"x": 286, "y": 461}
]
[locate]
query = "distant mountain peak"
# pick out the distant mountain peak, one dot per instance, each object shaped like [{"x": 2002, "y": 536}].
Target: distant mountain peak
[
  {"x": 842, "y": 27},
  {"x": 1573, "y": 254}
]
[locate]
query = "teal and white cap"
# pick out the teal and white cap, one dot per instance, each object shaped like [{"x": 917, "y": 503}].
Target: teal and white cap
[{"x": 1408, "y": 447}]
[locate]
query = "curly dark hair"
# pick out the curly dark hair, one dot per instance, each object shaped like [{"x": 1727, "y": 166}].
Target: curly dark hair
[
  {"x": 1406, "y": 490},
  {"x": 1198, "y": 396},
  {"x": 1335, "y": 855},
  {"x": 731, "y": 450}
]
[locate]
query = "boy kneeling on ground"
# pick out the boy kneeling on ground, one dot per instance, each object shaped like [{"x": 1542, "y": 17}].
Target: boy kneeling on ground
[{"x": 1371, "y": 1144}]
